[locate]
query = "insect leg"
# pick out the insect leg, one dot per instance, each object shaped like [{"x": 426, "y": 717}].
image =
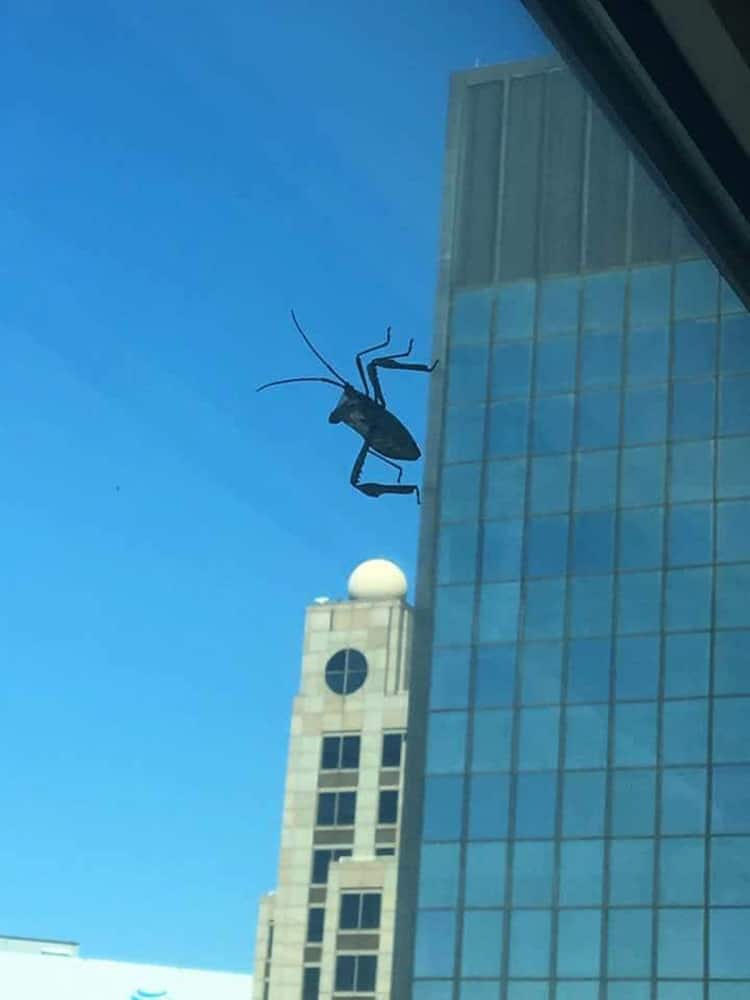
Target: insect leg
[
  {"x": 369, "y": 350},
  {"x": 377, "y": 489},
  {"x": 391, "y": 361}
]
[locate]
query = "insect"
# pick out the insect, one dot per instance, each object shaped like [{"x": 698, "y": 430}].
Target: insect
[{"x": 383, "y": 434}]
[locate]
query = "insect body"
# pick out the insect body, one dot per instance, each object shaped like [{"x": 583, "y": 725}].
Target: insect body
[{"x": 383, "y": 434}]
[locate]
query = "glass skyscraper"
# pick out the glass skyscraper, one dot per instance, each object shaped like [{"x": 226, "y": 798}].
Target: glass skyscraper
[{"x": 577, "y": 816}]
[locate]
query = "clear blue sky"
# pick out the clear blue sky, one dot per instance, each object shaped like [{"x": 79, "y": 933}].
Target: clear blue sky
[{"x": 175, "y": 176}]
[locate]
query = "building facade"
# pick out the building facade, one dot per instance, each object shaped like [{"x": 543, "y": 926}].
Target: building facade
[
  {"x": 577, "y": 808},
  {"x": 327, "y": 930}
]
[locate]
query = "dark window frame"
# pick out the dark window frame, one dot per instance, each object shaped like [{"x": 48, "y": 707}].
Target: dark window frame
[
  {"x": 340, "y": 805},
  {"x": 356, "y": 973},
  {"x": 320, "y": 859},
  {"x": 310, "y": 982},
  {"x": 339, "y": 748},
  {"x": 315, "y": 924},
  {"x": 390, "y": 740},
  {"x": 346, "y": 671},
  {"x": 388, "y": 795},
  {"x": 361, "y": 909}
]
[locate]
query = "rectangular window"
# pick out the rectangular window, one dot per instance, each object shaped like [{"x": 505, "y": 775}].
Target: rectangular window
[
  {"x": 322, "y": 861},
  {"x": 310, "y": 983},
  {"x": 315, "y": 918},
  {"x": 359, "y": 911},
  {"x": 356, "y": 973},
  {"x": 336, "y": 808},
  {"x": 392, "y": 749},
  {"x": 385, "y": 852},
  {"x": 388, "y": 807},
  {"x": 340, "y": 753}
]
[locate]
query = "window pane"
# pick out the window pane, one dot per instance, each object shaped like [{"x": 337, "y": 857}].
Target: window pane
[
  {"x": 691, "y": 534},
  {"x": 629, "y": 943},
  {"x": 545, "y": 605},
  {"x": 366, "y": 973},
  {"x": 649, "y": 295},
  {"x": 529, "y": 943},
  {"x": 345, "y": 970},
  {"x": 457, "y": 552},
  {"x": 648, "y": 355},
  {"x": 491, "y": 741},
  {"x": 459, "y": 492},
  {"x": 350, "y": 752},
  {"x": 539, "y": 734},
  {"x": 432, "y": 989},
  {"x": 731, "y": 799},
  {"x": 535, "y": 805},
  {"x": 591, "y": 606},
  {"x": 485, "y": 874},
  {"x": 685, "y": 732},
  {"x": 442, "y": 807},
  {"x": 515, "y": 310},
  {"x": 682, "y": 864},
  {"x": 693, "y": 410},
  {"x": 464, "y": 433},
  {"x": 550, "y": 484},
  {"x": 310, "y": 983},
  {"x": 388, "y": 807},
  {"x": 696, "y": 288},
  {"x": 633, "y": 803},
  {"x": 435, "y": 942},
  {"x": 732, "y": 588},
  {"x": 686, "y": 665},
  {"x": 552, "y": 425},
  {"x": 588, "y": 670},
  {"x": 639, "y": 602},
  {"x": 558, "y": 310},
  {"x": 593, "y": 542},
  {"x": 732, "y": 730},
  {"x": 730, "y": 933},
  {"x": 688, "y": 598},
  {"x": 578, "y": 942},
  {"x": 581, "y": 864},
  {"x": 692, "y": 470},
  {"x": 555, "y": 364},
  {"x": 470, "y": 319},
  {"x": 596, "y": 479},
  {"x": 637, "y": 665},
  {"x": 346, "y": 808},
  {"x": 730, "y": 871},
  {"x": 495, "y": 675},
  {"x": 329, "y": 757},
  {"x": 488, "y": 806},
  {"x": 511, "y": 370},
  {"x": 645, "y": 415},
  {"x": 467, "y": 372},
  {"x": 504, "y": 488},
  {"x": 642, "y": 480},
  {"x": 498, "y": 612},
  {"x": 631, "y": 866},
  {"x": 635, "y": 733},
  {"x": 315, "y": 917},
  {"x": 481, "y": 951},
  {"x": 454, "y": 611},
  {"x": 438, "y": 875},
  {"x": 683, "y": 801},
  {"x": 735, "y": 343},
  {"x": 734, "y": 467},
  {"x": 446, "y": 744},
  {"x": 547, "y": 547},
  {"x": 533, "y": 872},
  {"x": 734, "y": 417},
  {"x": 694, "y": 348},
  {"x": 370, "y": 910},
  {"x": 583, "y": 804},
  {"x": 449, "y": 688},
  {"x": 734, "y": 531},
  {"x": 508, "y": 428},
  {"x": 326, "y": 809},
  {"x": 599, "y": 419},
  {"x": 601, "y": 359},
  {"x": 541, "y": 672},
  {"x": 641, "y": 534},
  {"x": 603, "y": 301},
  {"x": 586, "y": 736},
  {"x": 349, "y": 912},
  {"x": 732, "y": 655},
  {"x": 680, "y": 943}
]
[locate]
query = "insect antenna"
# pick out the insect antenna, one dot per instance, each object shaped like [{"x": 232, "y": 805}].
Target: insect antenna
[
  {"x": 306, "y": 378},
  {"x": 316, "y": 352}
]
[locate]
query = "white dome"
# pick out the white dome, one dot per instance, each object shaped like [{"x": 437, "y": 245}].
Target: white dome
[{"x": 377, "y": 580}]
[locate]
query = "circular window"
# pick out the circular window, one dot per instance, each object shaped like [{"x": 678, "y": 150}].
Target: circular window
[{"x": 346, "y": 671}]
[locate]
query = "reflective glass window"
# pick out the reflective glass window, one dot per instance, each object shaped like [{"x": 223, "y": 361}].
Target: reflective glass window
[
  {"x": 438, "y": 874},
  {"x": 692, "y": 471},
  {"x": 581, "y": 867},
  {"x": 641, "y": 535},
  {"x": 650, "y": 295},
  {"x": 638, "y": 602},
  {"x": 533, "y": 873},
  {"x": 685, "y": 731},
  {"x": 733, "y": 531},
  {"x": 583, "y": 803},
  {"x": 443, "y": 801},
  {"x": 730, "y": 301},
  {"x": 515, "y": 310},
  {"x": 642, "y": 477},
  {"x": 511, "y": 370},
  {"x": 552, "y": 424},
  {"x": 481, "y": 946},
  {"x": 457, "y": 552},
  {"x": 735, "y": 343},
  {"x": 680, "y": 939},
  {"x": 459, "y": 492},
  {"x": 683, "y": 800},
  {"x": 696, "y": 288},
  {"x": 501, "y": 556},
  {"x": 688, "y": 598},
  {"x": 491, "y": 740},
  {"x": 539, "y": 736},
  {"x": 628, "y": 989},
  {"x": 550, "y": 484},
  {"x": 432, "y": 989},
  {"x": 731, "y": 659},
  {"x": 588, "y": 670},
  {"x": 541, "y": 671},
  {"x": 454, "y": 611},
  {"x": 578, "y": 989},
  {"x": 470, "y": 319},
  {"x": 629, "y": 942},
  {"x": 591, "y": 605},
  {"x": 530, "y": 943},
  {"x": 485, "y": 873},
  {"x": 730, "y": 871},
  {"x": 601, "y": 359},
  {"x": 498, "y": 612},
  {"x": 694, "y": 347},
  {"x": 633, "y": 797},
  {"x": 527, "y": 990},
  {"x": 731, "y": 799},
  {"x": 596, "y": 479},
  {"x": 504, "y": 488},
  {"x": 558, "y": 310},
  {"x": 692, "y": 410},
  {"x": 631, "y": 872},
  {"x": 645, "y": 415},
  {"x": 535, "y": 805},
  {"x": 488, "y": 806},
  {"x": 508, "y": 428},
  {"x": 435, "y": 942},
  {"x": 547, "y": 545},
  {"x": 544, "y": 609},
  {"x": 637, "y": 667},
  {"x": 648, "y": 355},
  {"x": 681, "y": 871},
  {"x": 599, "y": 419},
  {"x": 446, "y": 742},
  {"x": 449, "y": 678},
  {"x": 464, "y": 433},
  {"x": 691, "y": 534},
  {"x": 578, "y": 936},
  {"x": 732, "y": 588},
  {"x": 593, "y": 542},
  {"x": 555, "y": 364},
  {"x": 635, "y": 733},
  {"x": 729, "y": 955},
  {"x": 686, "y": 664},
  {"x": 495, "y": 676},
  {"x": 479, "y": 989},
  {"x": 734, "y": 468},
  {"x": 604, "y": 301},
  {"x": 586, "y": 728},
  {"x": 467, "y": 372}
]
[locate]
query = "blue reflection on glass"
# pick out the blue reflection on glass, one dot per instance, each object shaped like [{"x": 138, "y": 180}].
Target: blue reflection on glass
[
  {"x": 550, "y": 484},
  {"x": 692, "y": 470},
  {"x": 436, "y": 935},
  {"x": 604, "y": 301},
  {"x": 495, "y": 676},
  {"x": 648, "y": 355},
  {"x": 588, "y": 670},
  {"x": 680, "y": 943},
  {"x": 593, "y": 542},
  {"x": 688, "y": 598},
  {"x": 556, "y": 364},
  {"x": 528, "y": 990},
  {"x": 508, "y": 428},
  {"x": 691, "y": 534},
  {"x": 734, "y": 467},
  {"x": 685, "y": 731},
  {"x": 591, "y": 605},
  {"x": 511, "y": 370},
  {"x": 642, "y": 480},
  {"x": 533, "y": 873},
  {"x": 732, "y": 588},
  {"x": 467, "y": 372},
  {"x": 515, "y": 311},
  {"x": 454, "y": 610},
  {"x": 639, "y": 602},
  {"x": 628, "y": 989},
  {"x": 470, "y": 320},
  {"x": 558, "y": 311},
  {"x": 438, "y": 874},
  {"x": 693, "y": 409},
  {"x": 535, "y": 805},
  {"x": 633, "y": 803},
  {"x": 553, "y": 424},
  {"x": 541, "y": 670},
  {"x": 530, "y": 943},
  {"x": 446, "y": 743},
  {"x": 649, "y": 295},
  {"x": 729, "y": 955},
  {"x": 730, "y": 301},
  {"x": 681, "y": 871},
  {"x": 696, "y": 288},
  {"x": 601, "y": 359},
  {"x": 581, "y": 878},
  {"x": 631, "y": 872},
  {"x": 485, "y": 874},
  {"x": 504, "y": 488},
  {"x": 488, "y": 806},
  {"x": 442, "y": 807},
  {"x": 645, "y": 415},
  {"x": 481, "y": 947},
  {"x": 686, "y": 662},
  {"x": 735, "y": 405},
  {"x": 459, "y": 492},
  {"x": 491, "y": 740},
  {"x": 432, "y": 989},
  {"x": 635, "y": 733},
  {"x": 498, "y": 612},
  {"x": 464, "y": 433},
  {"x": 735, "y": 343},
  {"x": 539, "y": 734},
  {"x": 449, "y": 678},
  {"x": 545, "y": 605},
  {"x": 683, "y": 800},
  {"x": 578, "y": 938},
  {"x": 731, "y": 657},
  {"x": 479, "y": 989},
  {"x": 599, "y": 419},
  {"x": 734, "y": 531},
  {"x": 586, "y": 730},
  {"x": 732, "y": 730},
  {"x": 457, "y": 552},
  {"x": 547, "y": 547},
  {"x": 596, "y": 479},
  {"x": 583, "y": 803},
  {"x": 637, "y": 666},
  {"x": 629, "y": 942},
  {"x": 641, "y": 538},
  {"x": 501, "y": 555},
  {"x": 730, "y": 871},
  {"x": 694, "y": 348}
]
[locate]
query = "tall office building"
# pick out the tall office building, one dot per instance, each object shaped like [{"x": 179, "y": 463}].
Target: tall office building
[
  {"x": 577, "y": 810},
  {"x": 327, "y": 930}
]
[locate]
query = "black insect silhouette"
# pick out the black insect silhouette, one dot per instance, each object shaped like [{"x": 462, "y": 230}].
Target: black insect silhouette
[{"x": 384, "y": 435}]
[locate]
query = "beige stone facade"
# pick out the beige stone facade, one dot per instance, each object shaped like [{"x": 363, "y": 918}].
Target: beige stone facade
[{"x": 327, "y": 930}]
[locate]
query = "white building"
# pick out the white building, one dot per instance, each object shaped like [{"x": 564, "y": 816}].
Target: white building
[
  {"x": 53, "y": 970},
  {"x": 327, "y": 930}
]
